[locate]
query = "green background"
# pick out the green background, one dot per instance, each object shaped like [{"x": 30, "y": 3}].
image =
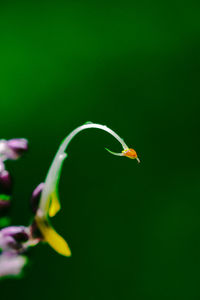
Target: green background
[{"x": 134, "y": 230}]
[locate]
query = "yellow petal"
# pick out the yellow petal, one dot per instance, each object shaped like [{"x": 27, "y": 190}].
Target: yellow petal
[
  {"x": 52, "y": 237},
  {"x": 55, "y": 205}
]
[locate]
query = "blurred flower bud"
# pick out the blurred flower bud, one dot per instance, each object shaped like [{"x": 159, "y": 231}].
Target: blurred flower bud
[
  {"x": 5, "y": 183},
  {"x": 12, "y": 149},
  {"x": 16, "y": 147},
  {"x": 35, "y": 198},
  {"x": 13, "y": 237},
  {"x": 5, "y": 191}
]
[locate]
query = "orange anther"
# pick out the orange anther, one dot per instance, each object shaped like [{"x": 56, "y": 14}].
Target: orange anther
[{"x": 130, "y": 153}]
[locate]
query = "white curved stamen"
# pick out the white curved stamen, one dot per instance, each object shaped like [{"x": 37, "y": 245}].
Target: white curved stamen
[{"x": 53, "y": 175}]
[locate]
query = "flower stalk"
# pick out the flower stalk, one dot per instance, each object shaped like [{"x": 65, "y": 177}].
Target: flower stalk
[{"x": 49, "y": 203}]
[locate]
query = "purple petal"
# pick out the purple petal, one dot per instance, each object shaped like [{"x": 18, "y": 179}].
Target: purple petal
[
  {"x": 19, "y": 233},
  {"x": 11, "y": 264},
  {"x": 35, "y": 199},
  {"x": 12, "y": 149},
  {"x": 17, "y": 147},
  {"x": 12, "y": 238},
  {"x": 9, "y": 244}
]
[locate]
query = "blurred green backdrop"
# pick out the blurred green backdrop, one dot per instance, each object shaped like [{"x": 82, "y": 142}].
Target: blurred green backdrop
[{"x": 134, "y": 230}]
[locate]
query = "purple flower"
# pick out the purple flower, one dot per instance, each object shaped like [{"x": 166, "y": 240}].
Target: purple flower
[
  {"x": 12, "y": 239},
  {"x": 11, "y": 265},
  {"x": 12, "y": 149},
  {"x": 17, "y": 147}
]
